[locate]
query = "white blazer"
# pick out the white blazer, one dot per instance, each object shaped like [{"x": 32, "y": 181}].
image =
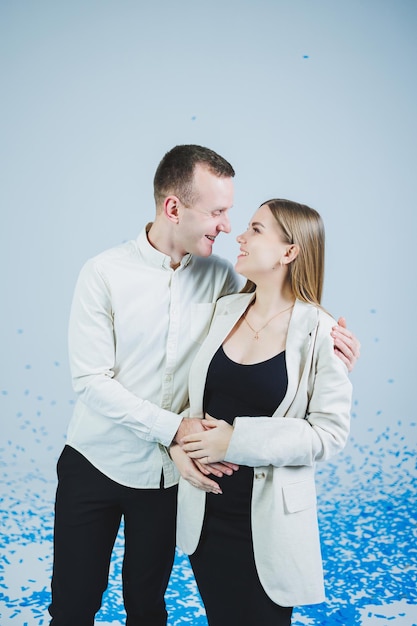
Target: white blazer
[{"x": 311, "y": 424}]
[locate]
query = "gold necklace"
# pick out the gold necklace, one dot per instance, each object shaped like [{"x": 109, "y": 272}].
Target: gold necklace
[{"x": 256, "y": 335}]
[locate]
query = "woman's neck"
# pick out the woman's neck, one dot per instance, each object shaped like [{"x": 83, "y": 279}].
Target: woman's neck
[{"x": 268, "y": 301}]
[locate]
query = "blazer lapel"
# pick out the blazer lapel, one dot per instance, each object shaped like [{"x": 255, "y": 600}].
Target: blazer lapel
[
  {"x": 222, "y": 323},
  {"x": 298, "y": 350}
]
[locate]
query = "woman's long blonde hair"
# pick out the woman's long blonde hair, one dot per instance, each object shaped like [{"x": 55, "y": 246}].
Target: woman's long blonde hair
[{"x": 304, "y": 227}]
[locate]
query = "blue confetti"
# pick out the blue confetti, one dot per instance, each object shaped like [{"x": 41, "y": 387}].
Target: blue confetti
[{"x": 367, "y": 514}]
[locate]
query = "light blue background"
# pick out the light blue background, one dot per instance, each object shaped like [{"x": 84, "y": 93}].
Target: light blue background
[{"x": 310, "y": 100}]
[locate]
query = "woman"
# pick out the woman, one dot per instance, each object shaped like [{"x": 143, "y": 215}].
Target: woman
[{"x": 275, "y": 399}]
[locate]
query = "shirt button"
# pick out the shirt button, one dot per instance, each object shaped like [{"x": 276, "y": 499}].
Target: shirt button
[{"x": 259, "y": 475}]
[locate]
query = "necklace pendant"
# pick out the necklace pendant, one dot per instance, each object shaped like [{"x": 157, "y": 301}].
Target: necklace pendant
[{"x": 256, "y": 336}]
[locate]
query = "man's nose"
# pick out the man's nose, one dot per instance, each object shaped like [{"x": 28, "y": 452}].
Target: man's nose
[{"x": 224, "y": 225}]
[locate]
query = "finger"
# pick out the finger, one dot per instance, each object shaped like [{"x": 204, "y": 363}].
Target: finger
[
  {"x": 343, "y": 345},
  {"x": 220, "y": 468},
  {"x": 348, "y": 338},
  {"x": 356, "y": 347},
  {"x": 191, "y": 438},
  {"x": 204, "y": 469},
  {"x": 207, "y": 469},
  {"x": 339, "y": 331},
  {"x": 342, "y": 322},
  {"x": 192, "y": 447},
  {"x": 199, "y": 455},
  {"x": 209, "y": 423},
  {"x": 209, "y": 488},
  {"x": 197, "y": 476},
  {"x": 344, "y": 359},
  {"x": 349, "y": 347},
  {"x": 206, "y": 485},
  {"x": 232, "y": 466}
]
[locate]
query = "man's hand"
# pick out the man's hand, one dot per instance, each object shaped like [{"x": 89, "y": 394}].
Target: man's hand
[
  {"x": 346, "y": 345},
  {"x": 188, "y": 426},
  {"x": 188, "y": 470}
]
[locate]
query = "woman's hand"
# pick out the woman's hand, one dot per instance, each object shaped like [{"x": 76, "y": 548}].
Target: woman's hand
[
  {"x": 190, "y": 472},
  {"x": 211, "y": 445}
]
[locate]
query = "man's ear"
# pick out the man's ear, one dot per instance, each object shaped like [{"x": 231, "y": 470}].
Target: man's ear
[{"x": 171, "y": 208}]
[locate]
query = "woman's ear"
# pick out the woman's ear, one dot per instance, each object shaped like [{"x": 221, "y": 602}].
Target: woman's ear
[{"x": 290, "y": 254}]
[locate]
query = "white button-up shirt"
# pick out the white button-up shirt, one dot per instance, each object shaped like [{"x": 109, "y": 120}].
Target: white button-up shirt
[{"x": 134, "y": 329}]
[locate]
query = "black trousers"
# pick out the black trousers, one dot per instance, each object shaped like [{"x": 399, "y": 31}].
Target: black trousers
[{"x": 88, "y": 511}]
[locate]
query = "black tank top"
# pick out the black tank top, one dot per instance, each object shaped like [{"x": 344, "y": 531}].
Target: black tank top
[{"x": 235, "y": 390}]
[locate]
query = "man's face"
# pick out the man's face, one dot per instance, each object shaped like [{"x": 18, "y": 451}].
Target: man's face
[{"x": 200, "y": 223}]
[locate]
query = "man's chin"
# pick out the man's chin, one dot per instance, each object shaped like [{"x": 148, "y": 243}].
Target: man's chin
[{"x": 204, "y": 250}]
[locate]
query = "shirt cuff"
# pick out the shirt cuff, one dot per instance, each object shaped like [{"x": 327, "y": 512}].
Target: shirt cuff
[{"x": 165, "y": 427}]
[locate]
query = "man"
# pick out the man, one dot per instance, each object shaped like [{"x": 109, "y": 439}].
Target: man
[{"x": 139, "y": 313}]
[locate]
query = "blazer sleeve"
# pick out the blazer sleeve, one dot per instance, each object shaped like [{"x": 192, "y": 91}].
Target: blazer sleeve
[{"x": 316, "y": 425}]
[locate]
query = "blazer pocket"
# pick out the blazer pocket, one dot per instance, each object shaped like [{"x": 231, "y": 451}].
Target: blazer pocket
[
  {"x": 299, "y": 496},
  {"x": 201, "y": 315}
]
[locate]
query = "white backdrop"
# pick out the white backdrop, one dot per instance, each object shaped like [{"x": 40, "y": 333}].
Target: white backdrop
[{"x": 312, "y": 100}]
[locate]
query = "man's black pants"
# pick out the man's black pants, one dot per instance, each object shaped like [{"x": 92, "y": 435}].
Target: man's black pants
[{"x": 88, "y": 511}]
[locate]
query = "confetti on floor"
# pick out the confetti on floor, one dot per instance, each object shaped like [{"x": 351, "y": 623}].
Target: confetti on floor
[{"x": 368, "y": 520}]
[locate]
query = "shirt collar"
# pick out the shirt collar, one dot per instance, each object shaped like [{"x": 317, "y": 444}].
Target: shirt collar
[{"x": 154, "y": 257}]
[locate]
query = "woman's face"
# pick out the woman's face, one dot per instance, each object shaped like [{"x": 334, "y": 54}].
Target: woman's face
[{"x": 262, "y": 246}]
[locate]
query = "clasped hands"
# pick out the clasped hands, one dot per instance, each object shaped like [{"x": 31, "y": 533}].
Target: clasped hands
[{"x": 199, "y": 450}]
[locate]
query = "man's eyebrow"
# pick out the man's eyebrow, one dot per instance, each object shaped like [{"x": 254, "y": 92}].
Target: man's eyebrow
[{"x": 223, "y": 208}]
